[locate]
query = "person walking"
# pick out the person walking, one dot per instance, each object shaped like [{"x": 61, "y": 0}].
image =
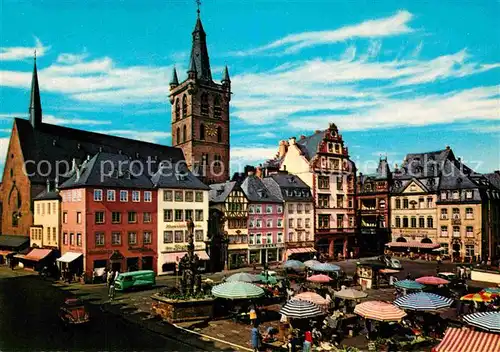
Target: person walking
[
  {"x": 306, "y": 347},
  {"x": 255, "y": 338},
  {"x": 110, "y": 277},
  {"x": 111, "y": 292}
]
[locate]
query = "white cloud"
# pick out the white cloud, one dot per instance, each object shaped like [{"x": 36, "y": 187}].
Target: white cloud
[
  {"x": 389, "y": 26},
  {"x": 23, "y": 52},
  {"x": 4, "y": 146},
  {"x": 146, "y": 136},
  {"x": 69, "y": 59},
  {"x": 478, "y": 128},
  {"x": 246, "y": 155},
  {"x": 267, "y": 135}
]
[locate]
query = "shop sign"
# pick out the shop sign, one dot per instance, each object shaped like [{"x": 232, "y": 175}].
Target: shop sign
[
  {"x": 184, "y": 248},
  {"x": 181, "y": 226},
  {"x": 262, "y": 246},
  {"x": 299, "y": 244}
]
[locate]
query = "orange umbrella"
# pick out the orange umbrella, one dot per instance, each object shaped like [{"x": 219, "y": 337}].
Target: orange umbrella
[
  {"x": 479, "y": 297},
  {"x": 378, "y": 310}
]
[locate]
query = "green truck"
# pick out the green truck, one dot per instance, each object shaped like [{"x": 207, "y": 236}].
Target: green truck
[{"x": 141, "y": 278}]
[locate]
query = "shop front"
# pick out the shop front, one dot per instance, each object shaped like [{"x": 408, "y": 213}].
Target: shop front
[
  {"x": 300, "y": 251},
  {"x": 70, "y": 263},
  {"x": 238, "y": 255},
  {"x": 171, "y": 256},
  {"x": 265, "y": 253}
]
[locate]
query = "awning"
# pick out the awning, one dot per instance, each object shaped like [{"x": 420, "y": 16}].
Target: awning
[
  {"x": 37, "y": 254},
  {"x": 14, "y": 241},
  {"x": 19, "y": 256},
  {"x": 413, "y": 244},
  {"x": 172, "y": 257},
  {"x": 465, "y": 340},
  {"x": 6, "y": 253},
  {"x": 300, "y": 250},
  {"x": 68, "y": 257}
]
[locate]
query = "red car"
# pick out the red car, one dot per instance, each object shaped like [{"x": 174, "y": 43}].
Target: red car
[{"x": 74, "y": 312}]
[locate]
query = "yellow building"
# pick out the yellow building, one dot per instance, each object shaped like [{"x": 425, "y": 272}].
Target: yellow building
[{"x": 45, "y": 232}]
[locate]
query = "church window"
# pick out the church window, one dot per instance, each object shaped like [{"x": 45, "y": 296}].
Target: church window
[
  {"x": 11, "y": 173},
  {"x": 15, "y": 219},
  {"x": 184, "y": 134},
  {"x": 178, "y": 135},
  {"x": 202, "y": 131},
  {"x": 184, "y": 107},
  {"x": 219, "y": 134},
  {"x": 217, "y": 108},
  {"x": 177, "y": 110},
  {"x": 204, "y": 104}
]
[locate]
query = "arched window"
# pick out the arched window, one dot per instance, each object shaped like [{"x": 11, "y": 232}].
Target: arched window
[
  {"x": 178, "y": 135},
  {"x": 217, "y": 107},
  {"x": 184, "y": 138},
  {"x": 202, "y": 131},
  {"x": 184, "y": 107},
  {"x": 401, "y": 239},
  {"x": 204, "y": 104},
  {"x": 426, "y": 240},
  {"x": 219, "y": 134},
  {"x": 15, "y": 219},
  {"x": 177, "y": 110}
]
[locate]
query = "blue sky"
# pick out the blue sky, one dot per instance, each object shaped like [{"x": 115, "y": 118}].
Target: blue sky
[{"x": 395, "y": 76}]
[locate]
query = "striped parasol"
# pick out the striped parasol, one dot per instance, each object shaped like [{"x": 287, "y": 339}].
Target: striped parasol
[
  {"x": 378, "y": 310},
  {"x": 243, "y": 277},
  {"x": 319, "y": 278},
  {"x": 299, "y": 309},
  {"x": 492, "y": 290},
  {"x": 478, "y": 297},
  {"x": 409, "y": 285},
  {"x": 294, "y": 264},
  {"x": 466, "y": 340},
  {"x": 423, "y": 301},
  {"x": 489, "y": 321},
  {"x": 237, "y": 290},
  {"x": 326, "y": 267},
  {"x": 313, "y": 298},
  {"x": 432, "y": 280},
  {"x": 311, "y": 263}
]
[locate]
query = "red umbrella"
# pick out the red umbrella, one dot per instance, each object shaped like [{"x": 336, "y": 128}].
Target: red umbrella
[
  {"x": 319, "y": 278},
  {"x": 432, "y": 280}
]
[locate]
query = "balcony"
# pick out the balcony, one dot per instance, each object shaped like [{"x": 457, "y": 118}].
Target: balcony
[{"x": 456, "y": 234}]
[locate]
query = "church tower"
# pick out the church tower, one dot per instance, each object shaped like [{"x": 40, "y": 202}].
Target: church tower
[{"x": 200, "y": 114}]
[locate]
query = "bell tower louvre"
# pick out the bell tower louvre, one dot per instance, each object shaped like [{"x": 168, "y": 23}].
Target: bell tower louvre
[{"x": 200, "y": 114}]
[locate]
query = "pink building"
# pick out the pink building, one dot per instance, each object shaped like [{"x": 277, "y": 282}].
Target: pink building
[{"x": 265, "y": 222}]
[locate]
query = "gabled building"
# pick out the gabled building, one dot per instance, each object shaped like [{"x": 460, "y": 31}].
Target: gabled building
[
  {"x": 372, "y": 195},
  {"x": 229, "y": 198},
  {"x": 298, "y": 219},
  {"x": 265, "y": 222},
  {"x": 45, "y": 232},
  {"x": 322, "y": 162}
]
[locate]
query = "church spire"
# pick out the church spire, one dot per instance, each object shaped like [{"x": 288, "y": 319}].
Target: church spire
[
  {"x": 35, "y": 109},
  {"x": 199, "y": 52},
  {"x": 175, "y": 80},
  {"x": 225, "y": 76}
]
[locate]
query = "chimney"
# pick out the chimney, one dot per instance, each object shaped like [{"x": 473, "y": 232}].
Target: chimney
[
  {"x": 258, "y": 171},
  {"x": 292, "y": 140},
  {"x": 282, "y": 149}
]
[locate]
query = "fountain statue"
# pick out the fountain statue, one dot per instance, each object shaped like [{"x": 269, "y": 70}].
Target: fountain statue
[{"x": 190, "y": 282}]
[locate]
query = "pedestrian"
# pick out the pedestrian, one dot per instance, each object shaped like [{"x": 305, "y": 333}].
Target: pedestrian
[
  {"x": 408, "y": 277},
  {"x": 306, "y": 347},
  {"x": 117, "y": 272},
  {"x": 292, "y": 343},
  {"x": 255, "y": 338},
  {"x": 111, "y": 292},
  {"x": 109, "y": 279},
  {"x": 94, "y": 276},
  {"x": 438, "y": 258},
  {"x": 253, "y": 316}
]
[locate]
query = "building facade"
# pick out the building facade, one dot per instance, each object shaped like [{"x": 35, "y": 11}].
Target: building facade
[
  {"x": 373, "y": 207},
  {"x": 45, "y": 232},
  {"x": 200, "y": 114},
  {"x": 322, "y": 162},
  {"x": 298, "y": 214},
  {"x": 181, "y": 197},
  {"x": 229, "y": 198},
  {"x": 266, "y": 240}
]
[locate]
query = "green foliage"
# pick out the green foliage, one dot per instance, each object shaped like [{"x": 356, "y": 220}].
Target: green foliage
[{"x": 178, "y": 296}]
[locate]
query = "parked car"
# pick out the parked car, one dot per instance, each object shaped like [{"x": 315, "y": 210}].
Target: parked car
[
  {"x": 390, "y": 262},
  {"x": 74, "y": 312},
  {"x": 141, "y": 278}
]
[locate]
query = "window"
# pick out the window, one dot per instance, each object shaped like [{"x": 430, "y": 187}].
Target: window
[
  {"x": 444, "y": 214},
  {"x": 111, "y": 194},
  {"x": 308, "y": 223},
  {"x": 421, "y": 203},
  {"x": 445, "y": 248},
  {"x": 291, "y": 208},
  {"x": 78, "y": 217},
  {"x": 79, "y": 239},
  {"x": 65, "y": 238},
  {"x": 48, "y": 233},
  {"x": 168, "y": 237},
  {"x": 279, "y": 222},
  {"x": 146, "y": 217},
  {"x": 132, "y": 217},
  {"x": 97, "y": 195},
  {"x": 178, "y": 236},
  {"x": 167, "y": 196},
  {"x": 469, "y": 194},
  {"x": 398, "y": 221},
  {"x": 456, "y": 195},
  {"x": 279, "y": 209},
  {"x": 217, "y": 108},
  {"x": 443, "y": 195},
  {"x": 300, "y": 207},
  {"x": 99, "y": 217},
  {"x": 184, "y": 106},
  {"x": 340, "y": 221},
  {"x": 251, "y": 239},
  {"x": 198, "y": 235},
  {"x": 251, "y": 209},
  {"x": 469, "y": 231},
  {"x": 198, "y": 215},
  {"x": 48, "y": 208},
  {"x": 202, "y": 132},
  {"x": 340, "y": 201},
  {"x": 299, "y": 223},
  {"x": 123, "y": 196},
  {"x": 184, "y": 134},
  {"x": 381, "y": 204},
  {"x": 269, "y": 238},
  {"x": 250, "y": 223},
  {"x": 99, "y": 239},
  {"x": 405, "y": 203},
  {"x": 179, "y": 196},
  {"x": 340, "y": 182},
  {"x": 308, "y": 208},
  {"x": 38, "y": 208},
  {"x": 421, "y": 222},
  {"x": 469, "y": 213},
  {"x": 199, "y": 196},
  {"x": 280, "y": 237},
  {"x": 132, "y": 238},
  {"x": 444, "y": 231},
  {"x": 469, "y": 250},
  {"x": 219, "y": 134},
  {"x": 204, "y": 104},
  {"x": 429, "y": 202},
  {"x": 258, "y": 209},
  {"x": 43, "y": 208},
  {"x": 178, "y": 215},
  {"x": 398, "y": 203},
  {"x": 148, "y": 196},
  {"x": 323, "y": 201},
  {"x": 324, "y": 221},
  {"x": 188, "y": 214},
  {"x": 290, "y": 237},
  {"x": 167, "y": 215},
  {"x": 258, "y": 223},
  {"x": 323, "y": 182},
  {"x": 188, "y": 196},
  {"x": 259, "y": 238},
  {"x": 456, "y": 231},
  {"x": 269, "y": 223},
  {"x": 290, "y": 223},
  {"x": 430, "y": 222},
  {"x": 456, "y": 213},
  {"x": 413, "y": 221},
  {"x": 405, "y": 221},
  {"x": 177, "y": 110},
  {"x": 136, "y": 196},
  {"x": 178, "y": 134},
  {"x": 116, "y": 238},
  {"x": 54, "y": 234},
  {"x": 147, "y": 237},
  {"x": 269, "y": 209}
]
